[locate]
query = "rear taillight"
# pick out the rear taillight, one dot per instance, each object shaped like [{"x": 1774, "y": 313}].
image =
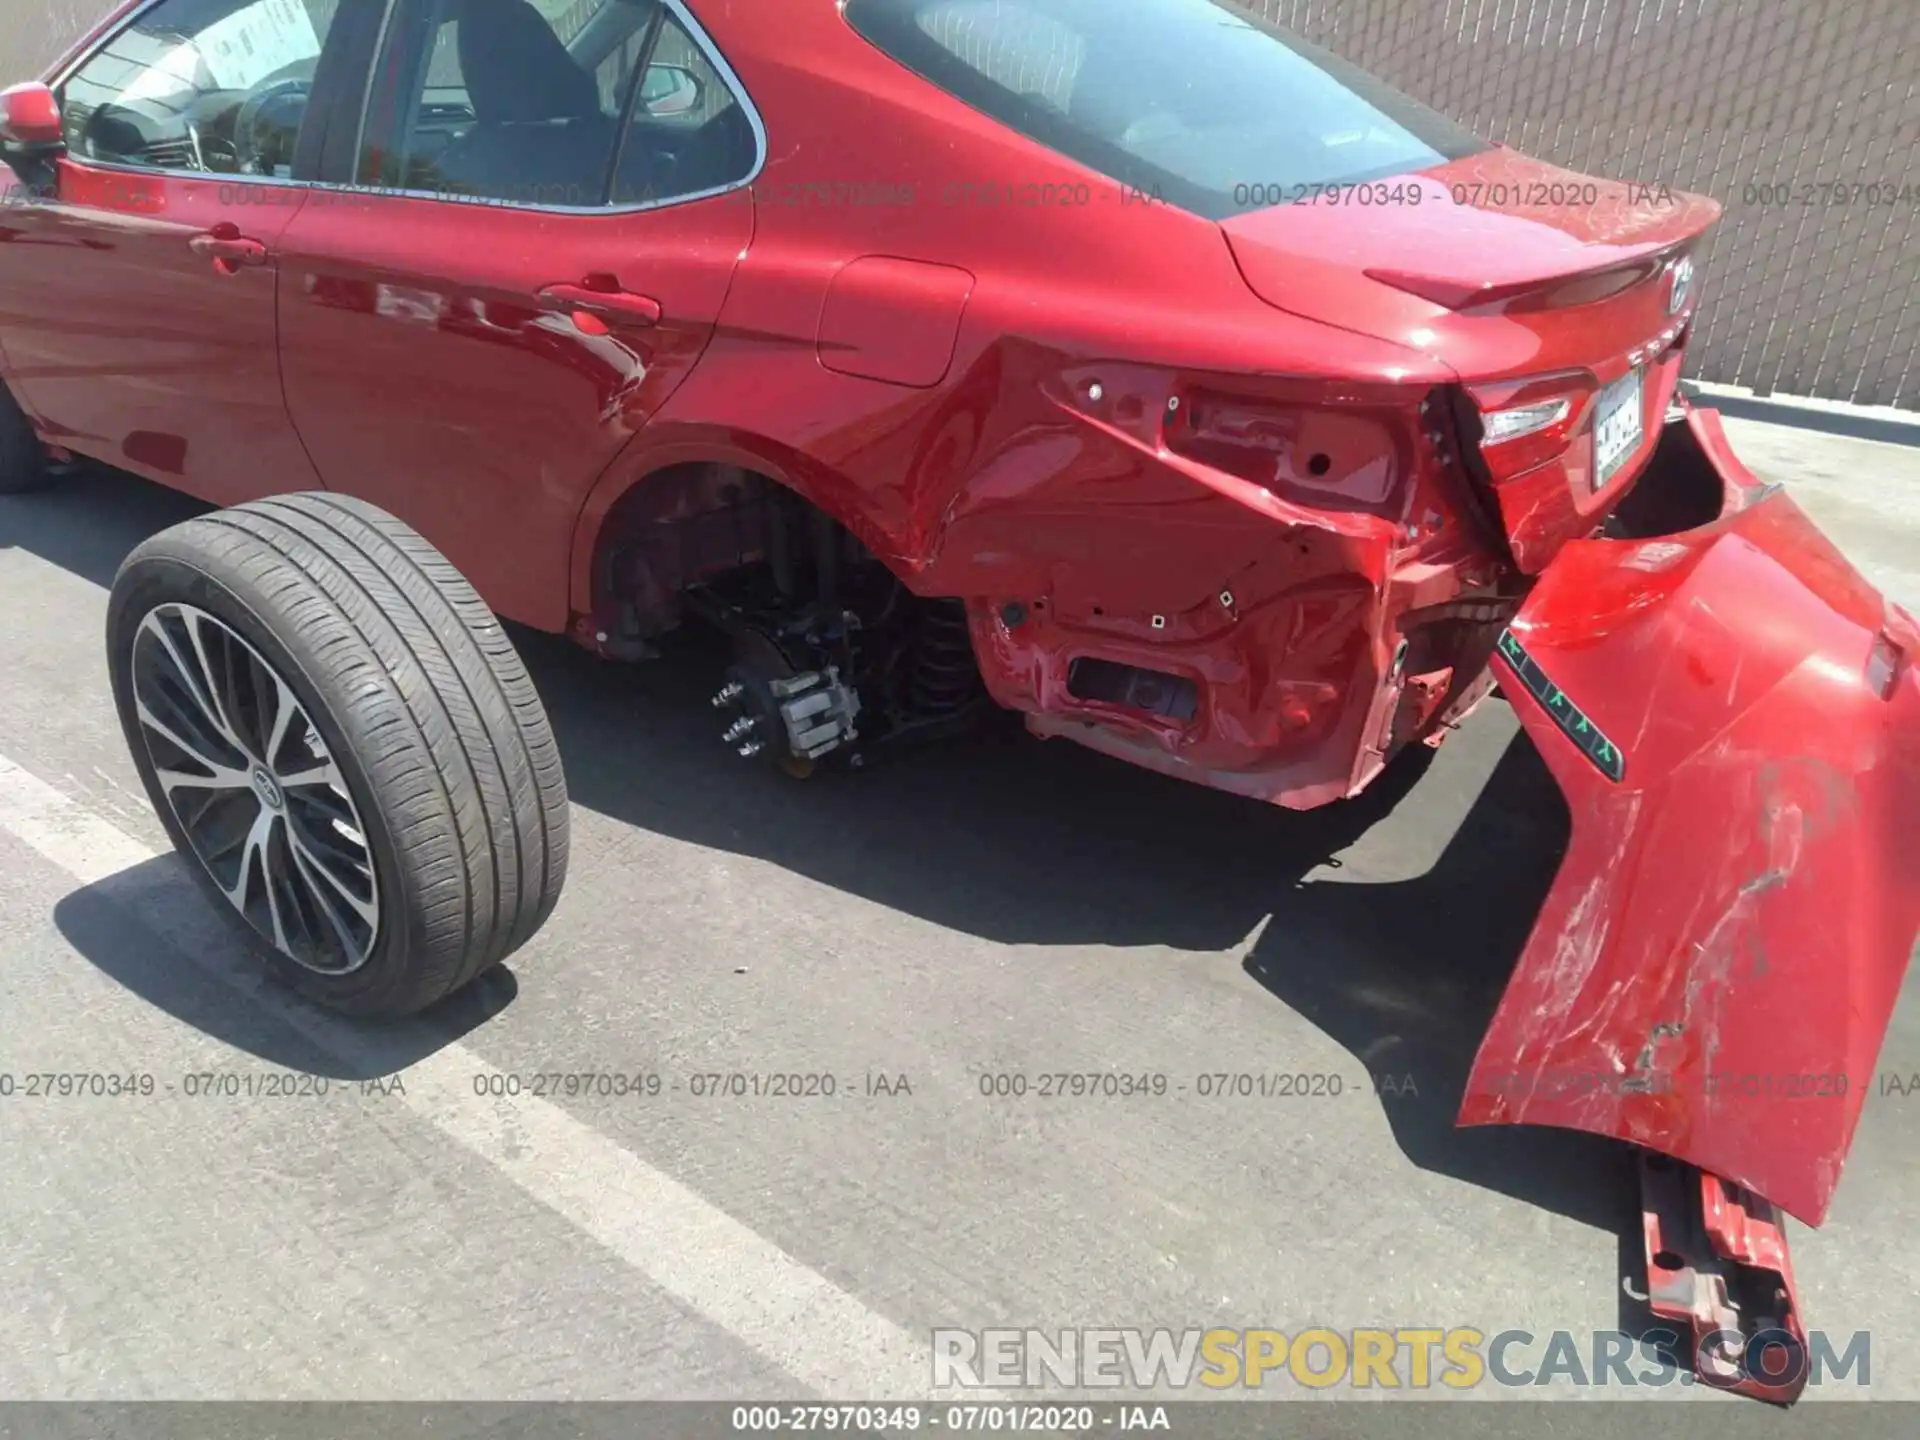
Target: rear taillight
[
  {"x": 1520, "y": 421},
  {"x": 1524, "y": 423}
]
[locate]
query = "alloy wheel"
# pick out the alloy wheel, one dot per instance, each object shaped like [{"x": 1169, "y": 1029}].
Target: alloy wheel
[{"x": 251, "y": 783}]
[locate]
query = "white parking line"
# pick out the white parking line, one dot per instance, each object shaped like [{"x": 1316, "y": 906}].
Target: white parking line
[
  {"x": 710, "y": 1262},
  {"x": 79, "y": 842}
]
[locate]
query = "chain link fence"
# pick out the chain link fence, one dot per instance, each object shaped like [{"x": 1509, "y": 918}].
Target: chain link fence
[{"x": 1800, "y": 116}]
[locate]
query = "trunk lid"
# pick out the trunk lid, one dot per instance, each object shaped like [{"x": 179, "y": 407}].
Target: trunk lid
[
  {"x": 1466, "y": 249},
  {"x": 1535, "y": 285}
]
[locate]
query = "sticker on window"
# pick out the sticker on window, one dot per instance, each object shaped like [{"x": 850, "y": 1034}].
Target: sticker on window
[
  {"x": 256, "y": 41},
  {"x": 236, "y": 52}
]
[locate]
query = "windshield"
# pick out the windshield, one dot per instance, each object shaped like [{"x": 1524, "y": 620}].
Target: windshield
[{"x": 1196, "y": 101}]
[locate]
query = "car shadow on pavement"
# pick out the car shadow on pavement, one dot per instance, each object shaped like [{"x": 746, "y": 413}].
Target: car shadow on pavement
[
  {"x": 1018, "y": 842},
  {"x": 150, "y": 929},
  {"x": 1039, "y": 844},
  {"x": 1407, "y": 975}
]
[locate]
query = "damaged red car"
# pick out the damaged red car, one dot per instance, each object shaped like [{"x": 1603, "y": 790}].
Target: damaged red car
[{"x": 1144, "y": 370}]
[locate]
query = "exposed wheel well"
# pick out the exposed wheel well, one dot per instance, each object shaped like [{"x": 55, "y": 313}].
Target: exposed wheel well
[
  {"x": 691, "y": 524},
  {"x": 795, "y": 590}
]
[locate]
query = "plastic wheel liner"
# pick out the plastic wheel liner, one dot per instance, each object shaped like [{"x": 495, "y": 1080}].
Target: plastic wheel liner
[{"x": 1733, "y": 714}]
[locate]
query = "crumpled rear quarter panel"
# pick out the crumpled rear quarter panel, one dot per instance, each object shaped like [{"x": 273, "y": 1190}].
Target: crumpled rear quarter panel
[{"x": 1716, "y": 964}]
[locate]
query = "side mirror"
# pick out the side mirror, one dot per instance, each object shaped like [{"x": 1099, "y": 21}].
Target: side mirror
[
  {"x": 30, "y": 131},
  {"x": 30, "y": 119},
  {"x": 669, "y": 90}
]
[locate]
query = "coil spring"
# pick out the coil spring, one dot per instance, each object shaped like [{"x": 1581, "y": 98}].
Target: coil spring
[{"x": 944, "y": 677}]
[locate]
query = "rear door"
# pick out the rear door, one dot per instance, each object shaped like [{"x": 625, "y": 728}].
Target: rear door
[
  {"x": 139, "y": 287},
  {"x": 518, "y": 264}
]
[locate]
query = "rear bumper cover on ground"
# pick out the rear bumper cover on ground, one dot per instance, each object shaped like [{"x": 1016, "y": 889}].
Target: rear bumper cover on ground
[{"x": 1733, "y": 714}]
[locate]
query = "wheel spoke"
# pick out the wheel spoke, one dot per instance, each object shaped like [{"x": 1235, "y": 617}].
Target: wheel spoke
[
  {"x": 313, "y": 863},
  {"x": 184, "y": 692},
  {"x": 220, "y": 722},
  {"x": 322, "y": 893},
  {"x": 220, "y": 776},
  {"x": 199, "y": 684},
  {"x": 180, "y": 779},
  {"x": 216, "y": 699},
  {"x": 254, "y": 848},
  {"x": 322, "y": 772},
  {"x": 326, "y": 807},
  {"x": 273, "y": 873},
  {"x": 285, "y": 707}
]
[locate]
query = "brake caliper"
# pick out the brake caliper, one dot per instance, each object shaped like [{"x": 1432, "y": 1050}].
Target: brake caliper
[{"x": 788, "y": 717}]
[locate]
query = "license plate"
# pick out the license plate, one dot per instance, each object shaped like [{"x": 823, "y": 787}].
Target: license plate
[{"x": 1617, "y": 427}]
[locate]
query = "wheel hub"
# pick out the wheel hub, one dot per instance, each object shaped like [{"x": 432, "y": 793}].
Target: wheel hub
[
  {"x": 268, "y": 789},
  {"x": 795, "y": 718}
]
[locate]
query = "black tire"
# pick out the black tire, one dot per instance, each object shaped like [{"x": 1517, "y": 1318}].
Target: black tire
[
  {"x": 412, "y": 690},
  {"x": 23, "y": 459}
]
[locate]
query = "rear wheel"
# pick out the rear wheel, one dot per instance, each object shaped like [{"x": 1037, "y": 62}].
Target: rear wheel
[
  {"x": 23, "y": 459},
  {"x": 340, "y": 737}
]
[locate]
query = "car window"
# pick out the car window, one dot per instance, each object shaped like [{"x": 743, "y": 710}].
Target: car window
[
  {"x": 550, "y": 103},
  {"x": 498, "y": 100},
  {"x": 569, "y": 20},
  {"x": 202, "y": 85},
  {"x": 1196, "y": 101},
  {"x": 689, "y": 133}
]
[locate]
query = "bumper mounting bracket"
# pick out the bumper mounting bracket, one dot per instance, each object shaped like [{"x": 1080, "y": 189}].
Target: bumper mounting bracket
[{"x": 1718, "y": 1272}]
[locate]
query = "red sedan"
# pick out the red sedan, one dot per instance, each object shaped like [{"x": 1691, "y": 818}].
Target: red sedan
[{"x": 1142, "y": 369}]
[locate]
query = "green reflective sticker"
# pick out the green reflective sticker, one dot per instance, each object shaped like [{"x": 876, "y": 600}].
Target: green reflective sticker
[{"x": 1568, "y": 716}]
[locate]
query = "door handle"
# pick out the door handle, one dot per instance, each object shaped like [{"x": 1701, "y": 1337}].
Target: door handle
[
  {"x": 601, "y": 295},
  {"x": 228, "y": 248}
]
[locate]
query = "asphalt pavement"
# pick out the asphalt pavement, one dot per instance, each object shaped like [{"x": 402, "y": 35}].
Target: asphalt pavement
[{"x": 359, "y": 1212}]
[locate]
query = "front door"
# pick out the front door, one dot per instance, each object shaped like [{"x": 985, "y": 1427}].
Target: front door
[
  {"x": 137, "y": 287},
  {"x": 529, "y": 258}
]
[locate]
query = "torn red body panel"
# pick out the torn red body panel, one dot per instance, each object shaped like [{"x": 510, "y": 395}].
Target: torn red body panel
[
  {"x": 1718, "y": 1270},
  {"x": 1734, "y": 716}
]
